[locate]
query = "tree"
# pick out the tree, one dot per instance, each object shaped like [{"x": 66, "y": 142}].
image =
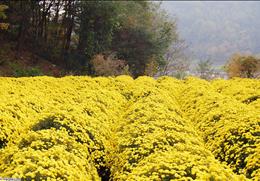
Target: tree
[
  {"x": 204, "y": 69},
  {"x": 177, "y": 61},
  {"x": 245, "y": 66},
  {"x": 24, "y": 23},
  {"x": 29, "y": 21},
  {"x": 68, "y": 20},
  {"x": 144, "y": 36},
  {"x": 151, "y": 68},
  {"x": 97, "y": 23},
  {"x": 3, "y": 26},
  {"x": 71, "y": 32}
]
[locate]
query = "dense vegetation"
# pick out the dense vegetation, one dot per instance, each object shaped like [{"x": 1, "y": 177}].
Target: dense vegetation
[
  {"x": 82, "y": 128},
  {"x": 246, "y": 66},
  {"x": 70, "y": 33}
]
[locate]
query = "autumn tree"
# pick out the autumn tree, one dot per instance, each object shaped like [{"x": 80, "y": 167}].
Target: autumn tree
[{"x": 246, "y": 66}]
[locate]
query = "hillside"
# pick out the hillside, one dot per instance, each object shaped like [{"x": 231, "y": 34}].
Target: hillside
[
  {"x": 25, "y": 63},
  {"x": 218, "y": 29}
]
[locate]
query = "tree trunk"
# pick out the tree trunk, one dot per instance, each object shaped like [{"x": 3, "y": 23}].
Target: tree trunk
[
  {"x": 24, "y": 22},
  {"x": 69, "y": 23}
]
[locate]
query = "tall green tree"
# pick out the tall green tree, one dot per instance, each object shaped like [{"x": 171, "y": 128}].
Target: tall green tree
[
  {"x": 98, "y": 21},
  {"x": 95, "y": 24},
  {"x": 144, "y": 36}
]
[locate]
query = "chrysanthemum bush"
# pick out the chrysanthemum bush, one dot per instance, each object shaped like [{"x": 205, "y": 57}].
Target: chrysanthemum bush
[
  {"x": 38, "y": 114},
  {"x": 82, "y": 128},
  {"x": 156, "y": 143},
  {"x": 244, "y": 90},
  {"x": 230, "y": 129}
]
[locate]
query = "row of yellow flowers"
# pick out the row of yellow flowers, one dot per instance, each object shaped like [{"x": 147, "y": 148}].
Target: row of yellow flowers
[
  {"x": 243, "y": 90},
  {"x": 82, "y": 128},
  {"x": 154, "y": 142},
  {"x": 55, "y": 129},
  {"x": 230, "y": 129}
]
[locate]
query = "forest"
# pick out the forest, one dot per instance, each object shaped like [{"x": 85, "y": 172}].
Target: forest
[
  {"x": 101, "y": 38},
  {"x": 78, "y": 36}
]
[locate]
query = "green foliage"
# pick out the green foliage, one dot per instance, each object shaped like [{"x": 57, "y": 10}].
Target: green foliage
[
  {"x": 145, "y": 35},
  {"x": 180, "y": 75},
  {"x": 2, "y": 9},
  {"x": 71, "y": 33},
  {"x": 204, "y": 69},
  {"x": 3, "y": 16},
  {"x": 135, "y": 31},
  {"x": 98, "y": 20},
  {"x": 25, "y": 72}
]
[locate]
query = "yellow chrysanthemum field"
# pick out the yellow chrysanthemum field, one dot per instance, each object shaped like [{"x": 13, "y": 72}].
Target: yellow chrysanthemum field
[{"x": 119, "y": 129}]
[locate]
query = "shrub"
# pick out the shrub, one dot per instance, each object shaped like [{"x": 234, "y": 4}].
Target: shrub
[
  {"x": 108, "y": 66},
  {"x": 243, "y": 90},
  {"x": 25, "y": 72},
  {"x": 243, "y": 66},
  {"x": 230, "y": 129}
]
